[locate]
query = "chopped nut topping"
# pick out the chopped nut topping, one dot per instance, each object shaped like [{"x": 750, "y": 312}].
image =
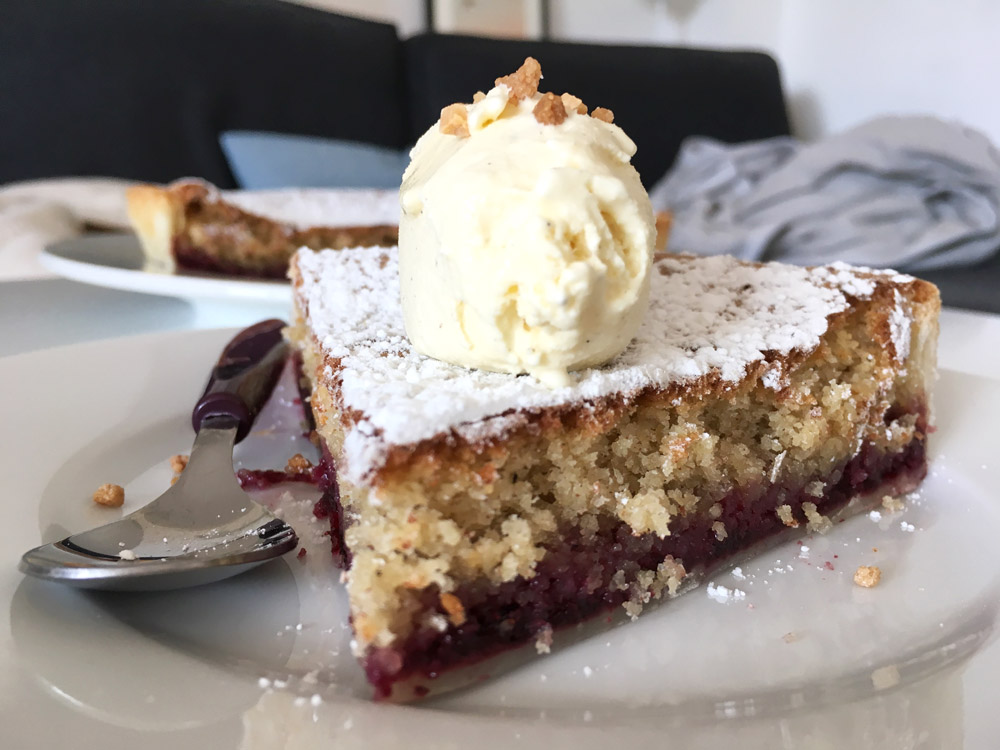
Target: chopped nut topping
[
  {"x": 574, "y": 104},
  {"x": 178, "y": 463},
  {"x": 663, "y": 221},
  {"x": 720, "y": 531},
  {"x": 110, "y": 495},
  {"x": 478, "y": 97},
  {"x": 453, "y": 606},
  {"x": 455, "y": 120},
  {"x": 603, "y": 114},
  {"x": 549, "y": 110},
  {"x": 298, "y": 464},
  {"x": 867, "y": 576},
  {"x": 523, "y": 82}
]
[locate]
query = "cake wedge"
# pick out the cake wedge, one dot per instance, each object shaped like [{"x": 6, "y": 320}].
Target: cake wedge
[
  {"x": 192, "y": 225},
  {"x": 479, "y": 511}
]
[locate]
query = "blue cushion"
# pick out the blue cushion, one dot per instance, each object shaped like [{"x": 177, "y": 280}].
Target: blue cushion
[{"x": 261, "y": 161}]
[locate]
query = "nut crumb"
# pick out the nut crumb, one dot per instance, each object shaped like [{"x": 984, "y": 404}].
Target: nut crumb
[
  {"x": 867, "y": 576},
  {"x": 178, "y": 463},
  {"x": 786, "y": 516},
  {"x": 453, "y": 606},
  {"x": 549, "y": 110},
  {"x": 884, "y": 678},
  {"x": 573, "y": 104},
  {"x": 478, "y": 97},
  {"x": 892, "y": 504},
  {"x": 298, "y": 464},
  {"x": 720, "y": 531},
  {"x": 455, "y": 120},
  {"x": 110, "y": 495},
  {"x": 816, "y": 521},
  {"x": 603, "y": 114},
  {"x": 543, "y": 640},
  {"x": 523, "y": 82}
]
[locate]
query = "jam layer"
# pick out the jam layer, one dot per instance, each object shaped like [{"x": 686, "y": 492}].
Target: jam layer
[{"x": 579, "y": 577}]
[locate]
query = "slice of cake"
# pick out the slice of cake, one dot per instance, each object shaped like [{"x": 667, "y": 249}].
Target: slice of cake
[
  {"x": 192, "y": 225},
  {"x": 477, "y": 511}
]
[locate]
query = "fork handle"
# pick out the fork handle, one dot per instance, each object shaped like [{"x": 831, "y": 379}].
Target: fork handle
[{"x": 244, "y": 376}]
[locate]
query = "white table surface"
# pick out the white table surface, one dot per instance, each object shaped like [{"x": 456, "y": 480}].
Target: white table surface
[{"x": 46, "y": 312}]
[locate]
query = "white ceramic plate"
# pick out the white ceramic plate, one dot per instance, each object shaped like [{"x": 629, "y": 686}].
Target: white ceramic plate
[
  {"x": 262, "y": 661},
  {"x": 115, "y": 260}
]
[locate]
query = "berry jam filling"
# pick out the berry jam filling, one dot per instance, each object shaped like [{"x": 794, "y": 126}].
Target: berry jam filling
[
  {"x": 573, "y": 582},
  {"x": 321, "y": 475},
  {"x": 262, "y": 479},
  {"x": 192, "y": 258},
  {"x": 328, "y": 506}
]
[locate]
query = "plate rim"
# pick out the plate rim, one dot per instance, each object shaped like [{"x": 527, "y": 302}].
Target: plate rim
[
  {"x": 123, "y": 343},
  {"x": 54, "y": 258}
]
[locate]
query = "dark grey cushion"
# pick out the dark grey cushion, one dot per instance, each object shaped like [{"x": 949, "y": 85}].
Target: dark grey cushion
[{"x": 142, "y": 90}]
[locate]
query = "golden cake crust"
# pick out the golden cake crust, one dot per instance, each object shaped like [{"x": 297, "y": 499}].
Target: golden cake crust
[{"x": 595, "y": 415}]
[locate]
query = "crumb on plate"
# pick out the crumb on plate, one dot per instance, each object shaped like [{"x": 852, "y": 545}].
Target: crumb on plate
[
  {"x": 110, "y": 495},
  {"x": 298, "y": 464},
  {"x": 867, "y": 576}
]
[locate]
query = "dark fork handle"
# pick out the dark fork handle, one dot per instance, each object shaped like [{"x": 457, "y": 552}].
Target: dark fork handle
[{"x": 244, "y": 376}]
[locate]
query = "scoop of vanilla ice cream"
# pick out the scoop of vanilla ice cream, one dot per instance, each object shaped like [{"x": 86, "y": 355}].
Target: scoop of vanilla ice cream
[{"x": 523, "y": 246}]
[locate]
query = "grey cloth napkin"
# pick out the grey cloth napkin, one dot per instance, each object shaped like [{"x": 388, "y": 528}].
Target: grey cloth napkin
[{"x": 907, "y": 192}]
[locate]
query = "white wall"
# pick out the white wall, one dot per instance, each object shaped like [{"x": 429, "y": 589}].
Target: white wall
[
  {"x": 859, "y": 58},
  {"x": 843, "y": 61}
]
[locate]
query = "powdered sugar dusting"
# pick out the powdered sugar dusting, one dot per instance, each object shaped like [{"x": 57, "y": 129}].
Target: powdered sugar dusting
[
  {"x": 303, "y": 209},
  {"x": 899, "y": 327},
  {"x": 707, "y": 315}
]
